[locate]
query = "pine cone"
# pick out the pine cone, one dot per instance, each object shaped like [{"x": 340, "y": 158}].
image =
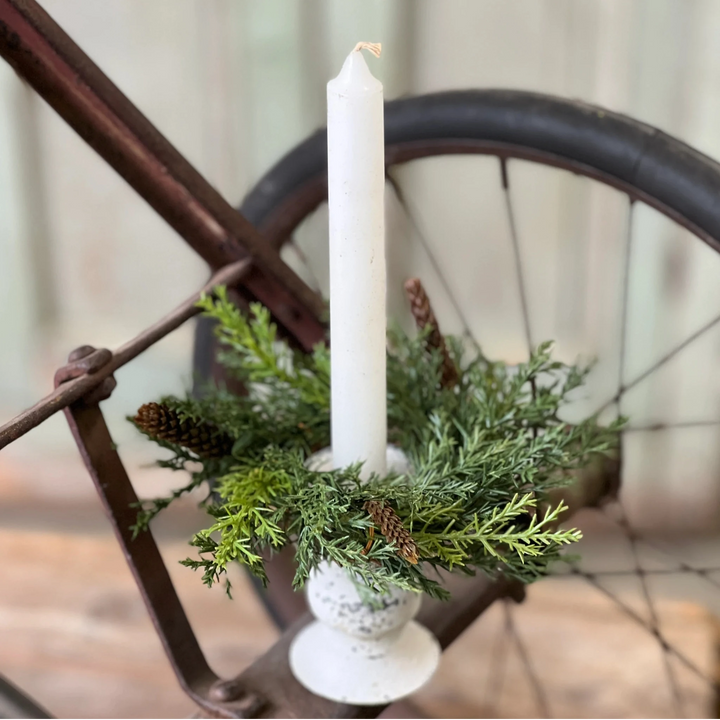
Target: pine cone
[
  {"x": 162, "y": 422},
  {"x": 423, "y": 313},
  {"x": 392, "y": 528}
]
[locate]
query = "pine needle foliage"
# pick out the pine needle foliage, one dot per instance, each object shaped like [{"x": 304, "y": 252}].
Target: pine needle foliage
[{"x": 484, "y": 452}]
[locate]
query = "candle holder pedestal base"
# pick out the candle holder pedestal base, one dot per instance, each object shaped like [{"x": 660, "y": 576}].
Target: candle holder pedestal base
[
  {"x": 360, "y": 651},
  {"x": 364, "y": 648}
]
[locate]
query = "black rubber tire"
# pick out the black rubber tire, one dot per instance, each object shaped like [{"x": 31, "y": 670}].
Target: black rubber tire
[
  {"x": 660, "y": 169},
  {"x": 642, "y": 161}
]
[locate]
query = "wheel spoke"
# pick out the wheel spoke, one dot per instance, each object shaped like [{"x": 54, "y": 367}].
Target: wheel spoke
[
  {"x": 300, "y": 254},
  {"x": 652, "y": 612},
  {"x": 655, "y": 427},
  {"x": 497, "y": 670},
  {"x": 627, "y": 610},
  {"x": 519, "y": 273},
  {"x": 625, "y": 298},
  {"x": 700, "y": 572},
  {"x": 662, "y": 361},
  {"x": 683, "y": 567},
  {"x": 624, "y": 386},
  {"x": 703, "y": 573},
  {"x": 538, "y": 689},
  {"x": 417, "y": 231}
]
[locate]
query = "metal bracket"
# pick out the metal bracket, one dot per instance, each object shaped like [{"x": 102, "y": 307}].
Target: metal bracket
[{"x": 143, "y": 557}]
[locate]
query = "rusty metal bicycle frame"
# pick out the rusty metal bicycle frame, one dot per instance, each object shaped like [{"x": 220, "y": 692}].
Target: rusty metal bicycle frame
[{"x": 45, "y": 57}]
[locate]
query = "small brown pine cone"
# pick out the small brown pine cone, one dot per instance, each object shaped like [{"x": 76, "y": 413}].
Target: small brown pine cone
[
  {"x": 162, "y": 422},
  {"x": 423, "y": 313},
  {"x": 392, "y": 528}
]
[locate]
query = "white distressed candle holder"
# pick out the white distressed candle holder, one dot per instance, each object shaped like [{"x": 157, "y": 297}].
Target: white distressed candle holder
[{"x": 360, "y": 652}]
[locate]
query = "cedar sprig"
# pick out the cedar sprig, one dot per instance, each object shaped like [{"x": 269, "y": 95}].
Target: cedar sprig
[{"x": 484, "y": 453}]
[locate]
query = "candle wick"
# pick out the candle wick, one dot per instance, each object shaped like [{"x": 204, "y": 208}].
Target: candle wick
[{"x": 374, "y": 48}]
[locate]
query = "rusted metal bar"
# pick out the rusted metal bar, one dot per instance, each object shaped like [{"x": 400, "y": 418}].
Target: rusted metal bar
[
  {"x": 16, "y": 704},
  {"x": 45, "y": 56},
  {"x": 142, "y": 554},
  {"x": 104, "y": 363}
]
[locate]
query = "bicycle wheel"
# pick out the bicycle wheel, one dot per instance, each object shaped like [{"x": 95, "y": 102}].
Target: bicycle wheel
[{"x": 642, "y": 165}]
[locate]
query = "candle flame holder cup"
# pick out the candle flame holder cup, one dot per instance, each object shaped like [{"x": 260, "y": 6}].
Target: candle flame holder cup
[{"x": 364, "y": 648}]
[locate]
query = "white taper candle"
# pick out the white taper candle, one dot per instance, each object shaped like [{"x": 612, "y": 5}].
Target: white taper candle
[{"x": 356, "y": 184}]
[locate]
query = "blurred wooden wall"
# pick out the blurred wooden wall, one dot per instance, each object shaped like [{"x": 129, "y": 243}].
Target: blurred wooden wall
[{"x": 235, "y": 84}]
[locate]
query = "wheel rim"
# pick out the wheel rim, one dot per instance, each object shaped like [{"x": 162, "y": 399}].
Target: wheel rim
[
  {"x": 279, "y": 226},
  {"x": 297, "y": 207}
]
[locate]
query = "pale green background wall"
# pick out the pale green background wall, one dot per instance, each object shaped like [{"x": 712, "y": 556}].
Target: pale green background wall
[{"x": 236, "y": 83}]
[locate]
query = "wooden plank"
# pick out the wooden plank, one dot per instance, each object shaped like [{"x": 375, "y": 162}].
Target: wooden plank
[{"x": 75, "y": 635}]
